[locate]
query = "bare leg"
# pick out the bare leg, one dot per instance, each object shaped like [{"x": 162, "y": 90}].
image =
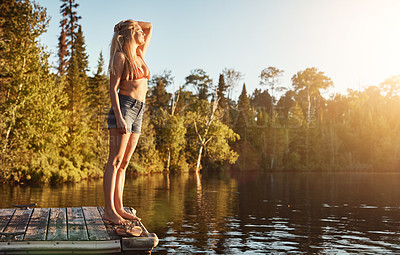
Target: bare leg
[
  {"x": 120, "y": 179},
  {"x": 118, "y": 143}
]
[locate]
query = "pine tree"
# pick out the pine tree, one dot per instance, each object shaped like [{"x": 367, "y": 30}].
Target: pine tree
[
  {"x": 79, "y": 50},
  {"x": 243, "y": 117},
  {"x": 62, "y": 46},
  {"x": 262, "y": 101},
  {"x": 99, "y": 105},
  {"x": 81, "y": 138},
  {"x": 68, "y": 24},
  {"x": 222, "y": 87},
  {"x": 159, "y": 98}
]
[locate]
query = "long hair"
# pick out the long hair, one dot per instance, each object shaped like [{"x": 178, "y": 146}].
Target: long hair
[{"x": 122, "y": 42}]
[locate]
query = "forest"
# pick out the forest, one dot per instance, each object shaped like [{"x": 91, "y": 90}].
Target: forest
[{"x": 53, "y": 124}]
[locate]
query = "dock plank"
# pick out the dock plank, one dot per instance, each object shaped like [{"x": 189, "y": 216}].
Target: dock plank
[
  {"x": 37, "y": 227},
  {"x": 57, "y": 228},
  {"x": 5, "y": 217},
  {"x": 76, "y": 226},
  {"x": 109, "y": 227},
  {"x": 64, "y": 226},
  {"x": 19, "y": 222},
  {"x": 95, "y": 225}
]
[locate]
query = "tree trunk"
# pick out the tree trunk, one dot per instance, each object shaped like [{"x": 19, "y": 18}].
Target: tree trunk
[
  {"x": 308, "y": 125},
  {"x": 168, "y": 159},
  {"x": 199, "y": 158},
  {"x": 287, "y": 144},
  {"x": 332, "y": 148},
  {"x": 204, "y": 140}
]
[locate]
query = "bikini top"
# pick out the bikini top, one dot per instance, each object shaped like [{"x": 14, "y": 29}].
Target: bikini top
[{"x": 139, "y": 74}]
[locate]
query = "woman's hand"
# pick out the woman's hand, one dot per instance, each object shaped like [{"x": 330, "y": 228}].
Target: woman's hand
[{"x": 121, "y": 125}]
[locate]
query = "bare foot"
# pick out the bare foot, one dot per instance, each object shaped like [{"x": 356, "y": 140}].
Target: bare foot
[
  {"x": 128, "y": 216},
  {"x": 114, "y": 219}
]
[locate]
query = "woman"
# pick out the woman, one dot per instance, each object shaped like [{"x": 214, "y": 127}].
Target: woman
[{"x": 128, "y": 86}]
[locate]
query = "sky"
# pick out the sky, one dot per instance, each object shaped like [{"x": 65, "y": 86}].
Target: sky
[{"x": 354, "y": 42}]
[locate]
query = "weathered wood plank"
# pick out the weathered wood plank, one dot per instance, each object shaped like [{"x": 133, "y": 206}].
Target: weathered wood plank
[
  {"x": 57, "y": 228},
  {"x": 5, "y": 217},
  {"x": 95, "y": 225},
  {"x": 37, "y": 226},
  {"x": 19, "y": 222},
  {"x": 76, "y": 226},
  {"x": 110, "y": 229}
]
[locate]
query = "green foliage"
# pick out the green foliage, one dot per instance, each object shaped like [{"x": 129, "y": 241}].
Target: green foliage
[
  {"x": 218, "y": 148},
  {"x": 172, "y": 140},
  {"x": 99, "y": 105},
  {"x": 159, "y": 98},
  {"x": 242, "y": 117},
  {"x": 221, "y": 91},
  {"x": 217, "y": 137},
  {"x": 31, "y": 101},
  {"x": 146, "y": 155},
  {"x": 201, "y": 82}
]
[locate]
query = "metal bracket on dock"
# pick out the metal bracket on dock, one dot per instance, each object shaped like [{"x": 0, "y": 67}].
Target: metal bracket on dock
[{"x": 25, "y": 207}]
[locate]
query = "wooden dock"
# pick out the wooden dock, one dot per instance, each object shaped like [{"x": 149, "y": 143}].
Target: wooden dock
[{"x": 66, "y": 230}]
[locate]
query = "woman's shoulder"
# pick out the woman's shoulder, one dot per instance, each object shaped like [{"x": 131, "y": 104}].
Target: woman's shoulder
[
  {"x": 119, "y": 59},
  {"x": 119, "y": 56}
]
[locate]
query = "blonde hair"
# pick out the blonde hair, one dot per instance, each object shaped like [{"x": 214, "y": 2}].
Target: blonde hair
[{"x": 122, "y": 41}]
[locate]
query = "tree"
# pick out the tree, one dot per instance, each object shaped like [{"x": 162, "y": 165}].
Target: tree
[
  {"x": 159, "y": 98},
  {"x": 81, "y": 138},
  {"x": 31, "y": 125},
  {"x": 78, "y": 50},
  {"x": 171, "y": 140},
  {"x": 262, "y": 101},
  {"x": 213, "y": 137},
  {"x": 232, "y": 78},
  {"x": 243, "y": 116},
  {"x": 270, "y": 77},
  {"x": 68, "y": 9},
  {"x": 310, "y": 81},
  {"x": 221, "y": 90},
  {"x": 391, "y": 86},
  {"x": 200, "y": 81},
  {"x": 69, "y": 25},
  {"x": 99, "y": 103},
  {"x": 62, "y": 45},
  {"x": 296, "y": 152}
]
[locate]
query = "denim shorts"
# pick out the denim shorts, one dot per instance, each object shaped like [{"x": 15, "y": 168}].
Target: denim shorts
[{"x": 132, "y": 112}]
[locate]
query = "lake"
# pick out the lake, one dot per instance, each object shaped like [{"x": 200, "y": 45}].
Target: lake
[{"x": 249, "y": 212}]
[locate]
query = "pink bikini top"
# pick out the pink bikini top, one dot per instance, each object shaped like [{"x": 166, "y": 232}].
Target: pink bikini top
[{"x": 139, "y": 74}]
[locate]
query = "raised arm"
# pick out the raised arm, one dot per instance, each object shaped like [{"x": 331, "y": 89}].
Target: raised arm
[{"x": 147, "y": 28}]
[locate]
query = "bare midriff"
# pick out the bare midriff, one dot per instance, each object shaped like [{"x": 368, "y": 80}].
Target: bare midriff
[{"x": 134, "y": 88}]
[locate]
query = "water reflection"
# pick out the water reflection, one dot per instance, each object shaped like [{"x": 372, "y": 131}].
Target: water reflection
[{"x": 250, "y": 212}]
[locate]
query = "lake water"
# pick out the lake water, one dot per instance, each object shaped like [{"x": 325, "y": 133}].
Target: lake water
[{"x": 251, "y": 212}]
